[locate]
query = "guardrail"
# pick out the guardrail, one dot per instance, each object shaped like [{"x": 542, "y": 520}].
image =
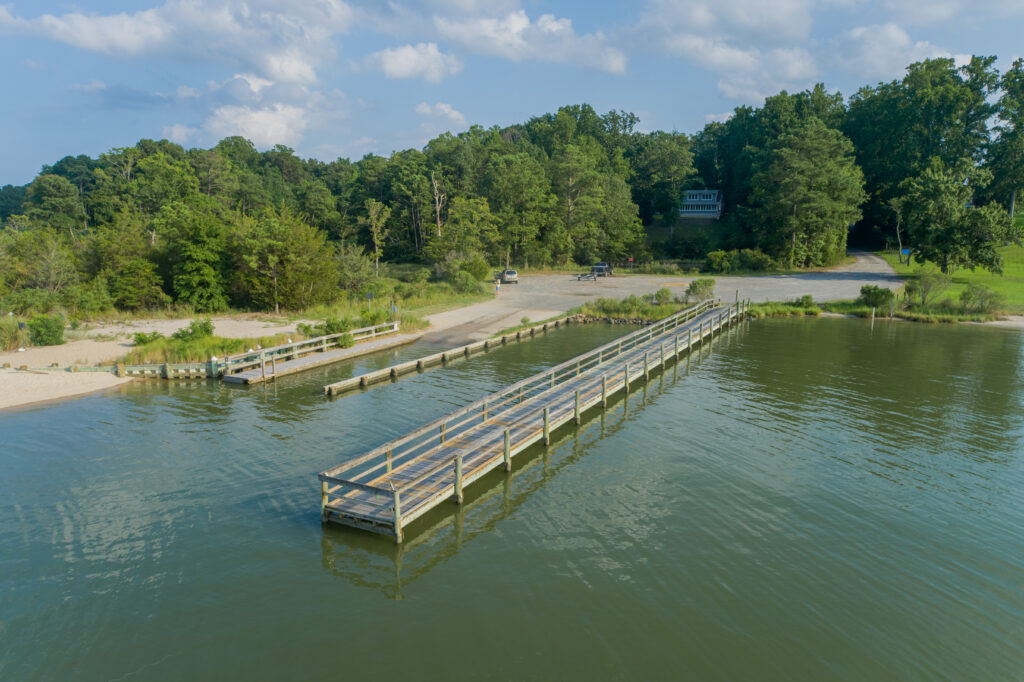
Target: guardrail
[{"x": 388, "y": 455}]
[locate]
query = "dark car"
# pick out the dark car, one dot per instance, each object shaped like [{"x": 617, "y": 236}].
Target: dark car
[
  {"x": 600, "y": 270},
  {"x": 606, "y": 266}
]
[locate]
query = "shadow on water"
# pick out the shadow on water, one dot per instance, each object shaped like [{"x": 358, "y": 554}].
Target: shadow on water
[{"x": 376, "y": 562}]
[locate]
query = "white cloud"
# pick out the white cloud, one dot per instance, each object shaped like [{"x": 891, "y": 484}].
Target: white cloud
[
  {"x": 720, "y": 118},
  {"x": 514, "y": 36},
  {"x": 91, "y": 86},
  {"x": 265, "y": 127},
  {"x": 185, "y": 92},
  {"x": 415, "y": 61},
  {"x": 284, "y": 43},
  {"x": 178, "y": 133},
  {"x": 881, "y": 52},
  {"x": 441, "y": 111}
]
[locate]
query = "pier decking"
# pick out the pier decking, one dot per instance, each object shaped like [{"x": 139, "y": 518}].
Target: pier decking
[{"x": 392, "y": 485}]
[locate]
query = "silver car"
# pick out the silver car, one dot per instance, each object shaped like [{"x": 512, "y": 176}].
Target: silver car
[{"x": 510, "y": 277}]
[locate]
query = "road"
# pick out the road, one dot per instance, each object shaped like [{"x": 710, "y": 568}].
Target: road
[{"x": 539, "y": 297}]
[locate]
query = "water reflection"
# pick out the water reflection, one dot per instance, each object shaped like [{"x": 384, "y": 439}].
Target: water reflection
[{"x": 376, "y": 562}]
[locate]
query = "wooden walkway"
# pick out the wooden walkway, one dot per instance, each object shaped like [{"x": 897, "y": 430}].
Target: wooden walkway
[
  {"x": 268, "y": 367},
  {"x": 389, "y": 487},
  {"x": 442, "y": 358}
]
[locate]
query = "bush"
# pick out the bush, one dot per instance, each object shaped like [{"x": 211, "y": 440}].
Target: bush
[
  {"x": 142, "y": 338},
  {"x": 875, "y": 297},
  {"x": 88, "y": 298},
  {"x": 663, "y": 296},
  {"x": 722, "y": 261},
  {"x": 929, "y": 284},
  {"x": 755, "y": 259},
  {"x": 465, "y": 283},
  {"x": 28, "y": 301},
  {"x": 11, "y": 335},
  {"x": 336, "y": 325},
  {"x": 701, "y": 289},
  {"x": 805, "y": 301},
  {"x": 197, "y": 329},
  {"x": 978, "y": 298},
  {"x": 46, "y": 330},
  {"x": 346, "y": 341},
  {"x": 373, "y": 317},
  {"x": 524, "y": 320}
]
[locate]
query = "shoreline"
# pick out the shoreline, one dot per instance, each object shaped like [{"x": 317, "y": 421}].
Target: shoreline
[{"x": 539, "y": 297}]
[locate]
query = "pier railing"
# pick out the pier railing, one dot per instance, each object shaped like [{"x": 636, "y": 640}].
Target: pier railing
[
  {"x": 355, "y": 474},
  {"x": 241, "y": 362}
]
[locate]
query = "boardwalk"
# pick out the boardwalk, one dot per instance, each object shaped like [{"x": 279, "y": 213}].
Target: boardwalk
[
  {"x": 271, "y": 370},
  {"x": 391, "y": 486}
]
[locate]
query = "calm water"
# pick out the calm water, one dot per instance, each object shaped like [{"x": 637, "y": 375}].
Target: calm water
[{"x": 802, "y": 500}]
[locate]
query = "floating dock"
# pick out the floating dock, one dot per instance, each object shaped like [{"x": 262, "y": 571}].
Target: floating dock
[{"x": 387, "y": 488}]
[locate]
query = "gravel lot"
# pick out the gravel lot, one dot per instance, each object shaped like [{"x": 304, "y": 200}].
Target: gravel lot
[{"x": 542, "y": 296}]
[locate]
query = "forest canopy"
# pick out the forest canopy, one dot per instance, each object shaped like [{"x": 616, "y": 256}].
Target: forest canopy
[{"x": 932, "y": 162}]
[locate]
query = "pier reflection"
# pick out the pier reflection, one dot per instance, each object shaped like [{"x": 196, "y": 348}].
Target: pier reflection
[{"x": 375, "y": 562}]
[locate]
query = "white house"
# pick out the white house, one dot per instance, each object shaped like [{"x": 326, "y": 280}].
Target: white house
[{"x": 702, "y": 203}]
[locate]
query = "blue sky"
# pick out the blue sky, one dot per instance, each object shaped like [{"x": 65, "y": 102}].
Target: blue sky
[{"x": 337, "y": 78}]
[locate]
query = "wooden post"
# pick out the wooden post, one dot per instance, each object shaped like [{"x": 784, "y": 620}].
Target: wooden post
[
  {"x": 625, "y": 374},
  {"x": 323, "y": 501},
  {"x": 646, "y": 369},
  {"x": 443, "y": 436},
  {"x": 600, "y": 356},
  {"x": 661, "y": 358},
  {"x": 508, "y": 450},
  {"x": 398, "y": 515},
  {"x": 388, "y": 469},
  {"x": 576, "y": 409},
  {"x": 273, "y": 365},
  {"x": 675, "y": 347},
  {"x": 689, "y": 339},
  {"x": 485, "y": 410},
  {"x": 552, "y": 380},
  {"x": 520, "y": 395},
  {"x": 604, "y": 390},
  {"x": 263, "y": 366},
  {"x": 547, "y": 430},
  {"x": 458, "y": 479},
  {"x": 578, "y": 367}
]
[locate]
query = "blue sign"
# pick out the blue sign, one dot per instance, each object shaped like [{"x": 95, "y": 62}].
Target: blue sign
[
  {"x": 369, "y": 295},
  {"x": 394, "y": 308},
  {"x": 905, "y": 252}
]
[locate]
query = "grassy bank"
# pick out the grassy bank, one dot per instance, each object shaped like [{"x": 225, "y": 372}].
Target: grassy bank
[
  {"x": 799, "y": 308},
  {"x": 932, "y": 314},
  {"x": 1009, "y": 285}
]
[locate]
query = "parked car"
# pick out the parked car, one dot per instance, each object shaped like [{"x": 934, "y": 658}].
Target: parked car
[
  {"x": 510, "y": 277},
  {"x": 606, "y": 266},
  {"x": 600, "y": 270}
]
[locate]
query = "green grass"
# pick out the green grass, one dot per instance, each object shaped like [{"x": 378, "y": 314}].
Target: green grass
[
  {"x": 938, "y": 313},
  {"x": 1010, "y": 284},
  {"x": 197, "y": 350},
  {"x": 784, "y": 309}
]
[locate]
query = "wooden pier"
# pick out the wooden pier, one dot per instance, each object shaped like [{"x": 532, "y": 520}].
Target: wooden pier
[
  {"x": 387, "y": 488},
  {"x": 442, "y": 358}
]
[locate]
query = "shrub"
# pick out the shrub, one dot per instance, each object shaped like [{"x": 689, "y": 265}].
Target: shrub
[
  {"x": 701, "y": 289},
  {"x": 524, "y": 320},
  {"x": 46, "y": 330},
  {"x": 11, "y": 335},
  {"x": 142, "y": 338},
  {"x": 197, "y": 329},
  {"x": 373, "y": 317},
  {"x": 346, "y": 341},
  {"x": 465, "y": 283},
  {"x": 28, "y": 301},
  {"x": 805, "y": 301},
  {"x": 875, "y": 297},
  {"x": 93, "y": 297},
  {"x": 978, "y": 298},
  {"x": 928, "y": 285},
  {"x": 722, "y": 262},
  {"x": 663, "y": 296},
  {"x": 336, "y": 325},
  {"x": 755, "y": 259}
]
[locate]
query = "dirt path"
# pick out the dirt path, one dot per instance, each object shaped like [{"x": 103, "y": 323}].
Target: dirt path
[{"x": 541, "y": 296}]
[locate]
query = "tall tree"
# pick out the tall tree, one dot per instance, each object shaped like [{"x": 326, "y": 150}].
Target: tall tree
[
  {"x": 808, "y": 196},
  {"x": 946, "y": 228},
  {"x": 376, "y": 222}
]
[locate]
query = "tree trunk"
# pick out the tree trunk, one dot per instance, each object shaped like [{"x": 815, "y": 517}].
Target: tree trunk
[
  {"x": 277, "y": 303},
  {"x": 439, "y": 199},
  {"x": 899, "y": 240},
  {"x": 1013, "y": 204}
]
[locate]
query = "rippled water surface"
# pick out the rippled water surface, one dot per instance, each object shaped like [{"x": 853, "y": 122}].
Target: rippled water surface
[{"x": 800, "y": 500}]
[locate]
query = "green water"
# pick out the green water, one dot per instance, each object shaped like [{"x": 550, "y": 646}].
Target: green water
[{"x": 801, "y": 500}]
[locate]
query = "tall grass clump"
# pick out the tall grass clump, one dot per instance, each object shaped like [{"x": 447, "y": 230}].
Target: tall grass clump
[
  {"x": 201, "y": 349},
  {"x": 12, "y": 336}
]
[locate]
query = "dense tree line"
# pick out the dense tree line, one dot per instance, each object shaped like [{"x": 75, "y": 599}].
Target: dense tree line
[{"x": 933, "y": 161}]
